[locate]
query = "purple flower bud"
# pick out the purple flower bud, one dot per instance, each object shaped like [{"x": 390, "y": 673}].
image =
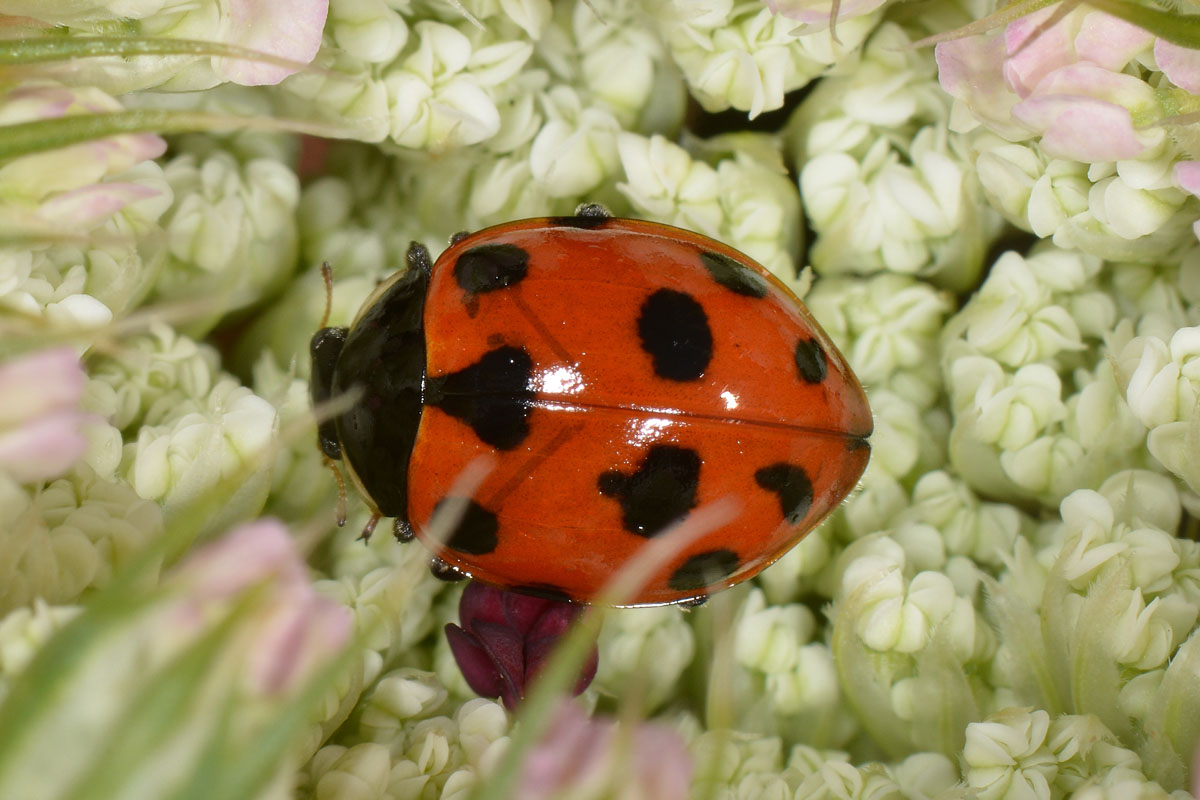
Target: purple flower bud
[{"x": 505, "y": 639}]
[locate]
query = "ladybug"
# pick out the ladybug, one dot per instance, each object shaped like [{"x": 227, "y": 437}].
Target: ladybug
[{"x": 622, "y": 373}]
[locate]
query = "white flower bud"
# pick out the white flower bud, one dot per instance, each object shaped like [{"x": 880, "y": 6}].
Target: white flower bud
[
  {"x": 837, "y": 779},
  {"x": 341, "y": 90},
  {"x": 398, "y": 696},
  {"x": 576, "y": 149},
  {"x": 788, "y": 576},
  {"x": 1130, "y": 212},
  {"x": 664, "y": 182},
  {"x": 762, "y": 213},
  {"x": 1141, "y": 497},
  {"x": 367, "y": 28},
  {"x": 360, "y": 772},
  {"x": 810, "y": 685},
  {"x": 231, "y": 231},
  {"x": 197, "y": 444},
  {"x": 438, "y": 93},
  {"x": 768, "y": 639},
  {"x": 74, "y": 534},
  {"x": 656, "y": 646},
  {"x": 483, "y": 727},
  {"x": 898, "y": 432},
  {"x": 1045, "y": 466},
  {"x": 923, "y": 545},
  {"x": 1139, "y": 640},
  {"x": 1006, "y": 756},
  {"x": 747, "y": 57}
]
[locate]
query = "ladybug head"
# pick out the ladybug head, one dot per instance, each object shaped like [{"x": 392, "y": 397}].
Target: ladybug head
[{"x": 379, "y": 361}]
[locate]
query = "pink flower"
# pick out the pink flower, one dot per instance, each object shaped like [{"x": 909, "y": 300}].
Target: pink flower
[
  {"x": 1187, "y": 175},
  {"x": 1064, "y": 84},
  {"x": 1181, "y": 65},
  {"x": 289, "y": 629},
  {"x": 506, "y": 638},
  {"x": 584, "y": 757},
  {"x": 40, "y": 417},
  {"x": 290, "y": 29},
  {"x": 1083, "y": 113}
]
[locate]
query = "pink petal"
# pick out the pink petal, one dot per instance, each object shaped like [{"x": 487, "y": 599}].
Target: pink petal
[
  {"x": 88, "y": 206},
  {"x": 305, "y": 630},
  {"x": 43, "y": 449},
  {"x": 1181, "y": 65},
  {"x": 290, "y": 29},
  {"x": 971, "y": 70},
  {"x": 1187, "y": 175},
  {"x": 662, "y": 763},
  {"x": 245, "y": 556},
  {"x": 1081, "y": 128},
  {"x": 45, "y": 381},
  {"x": 1051, "y": 49},
  {"x": 1083, "y": 112},
  {"x": 1110, "y": 42},
  {"x": 574, "y": 747}
]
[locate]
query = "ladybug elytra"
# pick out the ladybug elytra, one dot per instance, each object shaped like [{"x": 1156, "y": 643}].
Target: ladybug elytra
[{"x": 624, "y": 373}]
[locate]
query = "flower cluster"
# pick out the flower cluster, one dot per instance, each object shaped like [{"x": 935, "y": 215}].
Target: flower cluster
[{"x": 1003, "y": 239}]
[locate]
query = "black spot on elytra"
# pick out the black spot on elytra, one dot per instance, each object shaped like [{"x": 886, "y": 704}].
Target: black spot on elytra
[
  {"x": 733, "y": 275},
  {"x": 661, "y": 491},
  {"x": 492, "y": 396},
  {"x": 475, "y": 531},
  {"x": 703, "y": 570},
  {"x": 810, "y": 361},
  {"x": 793, "y": 486},
  {"x": 545, "y": 591},
  {"x": 489, "y": 267},
  {"x": 674, "y": 332}
]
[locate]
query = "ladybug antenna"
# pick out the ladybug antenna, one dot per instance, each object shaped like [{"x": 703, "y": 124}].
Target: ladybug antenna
[
  {"x": 327, "y": 276},
  {"x": 341, "y": 484}
]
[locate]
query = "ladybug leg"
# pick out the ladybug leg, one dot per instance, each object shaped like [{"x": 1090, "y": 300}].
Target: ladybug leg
[
  {"x": 418, "y": 258},
  {"x": 458, "y": 237},
  {"x": 443, "y": 571},
  {"x": 403, "y": 531},
  {"x": 369, "y": 528},
  {"x": 593, "y": 210},
  {"x": 694, "y": 602},
  {"x": 341, "y": 484}
]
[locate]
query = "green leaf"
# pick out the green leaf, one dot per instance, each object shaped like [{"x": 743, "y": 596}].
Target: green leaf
[
  {"x": 34, "y": 50},
  {"x": 162, "y": 711},
  {"x": 42, "y": 135},
  {"x": 1172, "y": 726},
  {"x": 1002, "y": 16},
  {"x": 1180, "y": 29}
]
